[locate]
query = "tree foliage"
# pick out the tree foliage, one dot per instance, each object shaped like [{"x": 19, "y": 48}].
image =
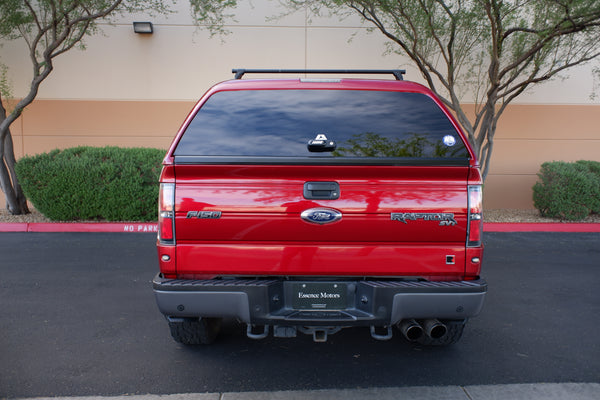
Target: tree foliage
[
  {"x": 212, "y": 14},
  {"x": 493, "y": 50}
]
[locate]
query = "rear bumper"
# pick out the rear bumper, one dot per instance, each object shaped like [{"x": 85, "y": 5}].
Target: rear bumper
[{"x": 367, "y": 302}]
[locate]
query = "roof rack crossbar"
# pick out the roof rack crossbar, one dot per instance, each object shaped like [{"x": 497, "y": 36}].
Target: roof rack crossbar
[{"x": 239, "y": 72}]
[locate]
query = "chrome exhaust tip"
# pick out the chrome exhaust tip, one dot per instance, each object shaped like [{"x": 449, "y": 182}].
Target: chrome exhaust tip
[
  {"x": 411, "y": 329},
  {"x": 434, "y": 328}
]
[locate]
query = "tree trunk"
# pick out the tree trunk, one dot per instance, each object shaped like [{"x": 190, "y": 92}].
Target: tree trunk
[{"x": 16, "y": 202}]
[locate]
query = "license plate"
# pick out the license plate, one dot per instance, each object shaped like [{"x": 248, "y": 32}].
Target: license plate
[{"x": 319, "y": 296}]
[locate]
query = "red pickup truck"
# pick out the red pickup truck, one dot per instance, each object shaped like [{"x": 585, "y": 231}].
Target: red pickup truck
[{"x": 312, "y": 205}]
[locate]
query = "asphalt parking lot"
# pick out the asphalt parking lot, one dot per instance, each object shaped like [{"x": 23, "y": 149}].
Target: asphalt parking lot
[{"x": 77, "y": 317}]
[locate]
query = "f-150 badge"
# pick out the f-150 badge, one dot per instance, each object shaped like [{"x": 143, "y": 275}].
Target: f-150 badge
[
  {"x": 204, "y": 214},
  {"x": 445, "y": 219}
]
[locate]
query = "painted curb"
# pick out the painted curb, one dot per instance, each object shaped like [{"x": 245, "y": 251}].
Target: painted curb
[
  {"x": 137, "y": 227},
  {"x": 540, "y": 227},
  {"x": 107, "y": 227}
]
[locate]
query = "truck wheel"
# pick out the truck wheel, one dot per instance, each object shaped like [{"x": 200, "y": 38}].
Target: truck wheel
[
  {"x": 453, "y": 335},
  {"x": 195, "y": 331}
]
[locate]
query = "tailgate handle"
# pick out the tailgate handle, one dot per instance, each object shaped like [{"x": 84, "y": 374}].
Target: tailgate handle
[{"x": 321, "y": 190}]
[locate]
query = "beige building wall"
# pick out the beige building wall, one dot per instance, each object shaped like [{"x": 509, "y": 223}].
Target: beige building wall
[{"x": 130, "y": 90}]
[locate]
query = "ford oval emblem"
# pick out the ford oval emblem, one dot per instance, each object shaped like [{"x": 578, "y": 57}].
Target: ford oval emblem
[{"x": 321, "y": 215}]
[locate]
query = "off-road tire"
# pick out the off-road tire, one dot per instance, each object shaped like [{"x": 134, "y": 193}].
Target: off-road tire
[
  {"x": 453, "y": 334},
  {"x": 195, "y": 331}
]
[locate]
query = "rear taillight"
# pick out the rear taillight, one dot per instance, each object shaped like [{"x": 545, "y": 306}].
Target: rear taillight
[
  {"x": 475, "y": 228},
  {"x": 166, "y": 213}
]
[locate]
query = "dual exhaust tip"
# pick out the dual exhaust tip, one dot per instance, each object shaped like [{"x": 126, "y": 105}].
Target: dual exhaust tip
[{"x": 413, "y": 330}]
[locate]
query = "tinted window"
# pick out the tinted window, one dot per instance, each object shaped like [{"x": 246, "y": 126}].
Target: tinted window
[{"x": 338, "y": 123}]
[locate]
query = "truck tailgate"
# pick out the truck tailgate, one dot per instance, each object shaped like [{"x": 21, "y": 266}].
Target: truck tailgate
[{"x": 395, "y": 221}]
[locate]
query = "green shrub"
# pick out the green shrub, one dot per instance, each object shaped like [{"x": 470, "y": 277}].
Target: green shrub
[
  {"x": 89, "y": 183},
  {"x": 568, "y": 191},
  {"x": 592, "y": 166}
]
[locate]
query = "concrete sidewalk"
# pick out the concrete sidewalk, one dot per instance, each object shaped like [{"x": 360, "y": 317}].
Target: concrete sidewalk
[{"x": 538, "y": 391}]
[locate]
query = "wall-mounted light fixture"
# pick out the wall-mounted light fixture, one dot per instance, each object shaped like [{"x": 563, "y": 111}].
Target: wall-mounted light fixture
[{"x": 143, "y": 27}]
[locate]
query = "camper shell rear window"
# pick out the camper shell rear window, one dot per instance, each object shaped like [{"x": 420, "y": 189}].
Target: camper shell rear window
[{"x": 320, "y": 126}]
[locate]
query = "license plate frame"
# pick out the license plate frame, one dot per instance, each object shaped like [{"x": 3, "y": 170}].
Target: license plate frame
[{"x": 319, "y": 296}]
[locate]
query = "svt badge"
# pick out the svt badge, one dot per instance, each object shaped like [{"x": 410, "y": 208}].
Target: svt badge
[{"x": 321, "y": 215}]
